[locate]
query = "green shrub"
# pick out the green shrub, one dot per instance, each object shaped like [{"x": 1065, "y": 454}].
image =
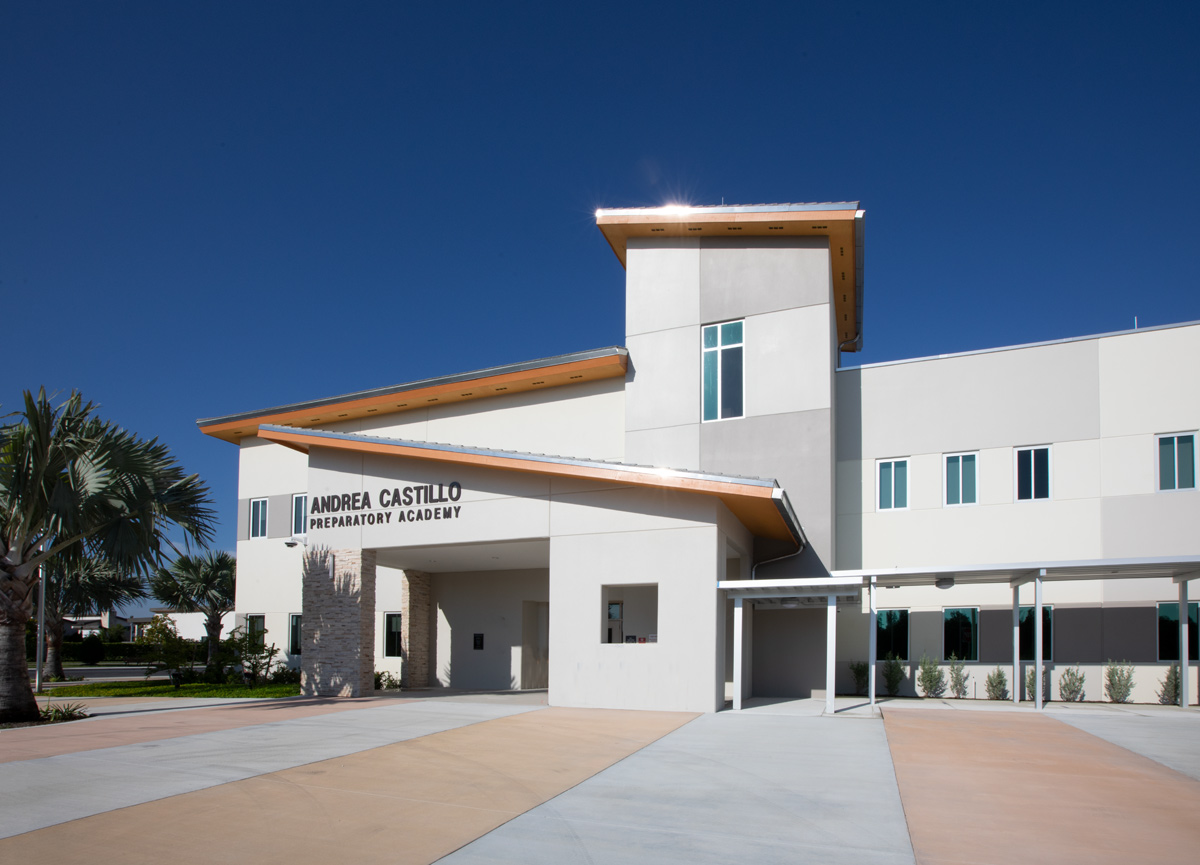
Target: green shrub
[
  {"x": 1118, "y": 681},
  {"x": 385, "y": 681},
  {"x": 1029, "y": 676},
  {"x": 1168, "y": 693},
  {"x": 958, "y": 677},
  {"x": 893, "y": 675},
  {"x": 930, "y": 677},
  {"x": 996, "y": 685},
  {"x": 861, "y": 671},
  {"x": 284, "y": 675},
  {"x": 253, "y": 654},
  {"x": 91, "y": 650},
  {"x": 62, "y": 712},
  {"x": 1070, "y": 685}
]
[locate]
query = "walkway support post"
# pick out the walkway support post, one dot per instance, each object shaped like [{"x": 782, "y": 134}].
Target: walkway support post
[
  {"x": 738, "y": 633},
  {"x": 830, "y": 650},
  {"x": 872, "y": 647},
  {"x": 1183, "y": 643},
  {"x": 1016, "y": 677},
  {"x": 1037, "y": 639}
]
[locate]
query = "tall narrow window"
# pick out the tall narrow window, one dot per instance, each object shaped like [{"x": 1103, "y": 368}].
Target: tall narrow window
[
  {"x": 1168, "y": 631},
  {"x": 891, "y": 635},
  {"x": 1028, "y": 635},
  {"x": 294, "y": 635},
  {"x": 258, "y": 518},
  {"x": 256, "y": 627},
  {"x": 300, "y": 515},
  {"x": 961, "y": 634},
  {"x": 722, "y": 370},
  {"x": 893, "y": 484},
  {"x": 1033, "y": 473},
  {"x": 1177, "y": 462},
  {"x": 960, "y": 479},
  {"x": 392, "y": 636}
]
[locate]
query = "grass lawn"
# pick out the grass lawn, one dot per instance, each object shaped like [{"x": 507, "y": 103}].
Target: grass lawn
[{"x": 166, "y": 689}]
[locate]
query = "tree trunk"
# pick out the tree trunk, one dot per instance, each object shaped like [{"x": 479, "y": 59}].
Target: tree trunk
[
  {"x": 16, "y": 693},
  {"x": 212, "y": 626},
  {"x": 54, "y": 641}
]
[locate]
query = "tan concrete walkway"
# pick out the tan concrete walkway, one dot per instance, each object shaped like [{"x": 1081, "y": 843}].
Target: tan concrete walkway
[
  {"x": 411, "y": 802},
  {"x": 30, "y": 743},
  {"x": 1003, "y": 787}
]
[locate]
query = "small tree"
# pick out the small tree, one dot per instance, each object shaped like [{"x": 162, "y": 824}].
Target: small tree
[
  {"x": 996, "y": 685},
  {"x": 861, "y": 672},
  {"x": 958, "y": 677},
  {"x": 1118, "y": 681},
  {"x": 201, "y": 583},
  {"x": 252, "y": 652},
  {"x": 1070, "y": 685},
  {"x": 166, "y": 649},
  {"x": 91, "y": 650},
  {"x": 893, "y": 675},
  {"x": 1168, "y": 692},
  {"x": 1030, "y": 675},
  {"x": 930, "y": 677}
]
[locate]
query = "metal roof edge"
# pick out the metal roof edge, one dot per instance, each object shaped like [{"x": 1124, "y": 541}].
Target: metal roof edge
[
  {"x": 615, "y": 350},
  {"x": 683, "y": 209},
  {"x": 1043, "y": 343}
]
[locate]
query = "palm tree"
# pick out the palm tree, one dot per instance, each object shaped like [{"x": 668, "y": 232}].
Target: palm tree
[
  {"x": 70, "y": 478},
  {"x": 82, "y": 585},
  {"x": 201, "y": 583}
]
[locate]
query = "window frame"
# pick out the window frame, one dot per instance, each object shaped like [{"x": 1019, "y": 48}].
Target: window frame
[
  {"x": 1033, "y": 479},
  {"x": 975, "y": 635},
  {"x": 1158, "y": 630},
  {"x": 907, "y": 632},
  {"x": 1158, "y": 487},
  {"x": 946, "y": 457},
  {"x": 253, "y": 534},
  {"x": 303, "y": 533},
  {"x": 295, "y": 633},
  {"x": 717, "y": 350},
  {"x": 879, "y": 484},
  {"x": 387, "y": 616}
]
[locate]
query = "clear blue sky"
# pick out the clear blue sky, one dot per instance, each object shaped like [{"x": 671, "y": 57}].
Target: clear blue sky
[{"x": 213, "y": 207}]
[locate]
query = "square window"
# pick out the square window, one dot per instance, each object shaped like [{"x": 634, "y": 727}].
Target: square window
[
  {"x": 1027, "y": 636},
  {"x": 295, "y": 634},
  {"x": 722, "y": 381},
  {"x": 393, "y": 638},
  {"x": 1177, "y": 462},
  {"x": 300, "y": 514},
  {"x": 961, "y": 633},
  {"x": 629, "y": 614},
  {"x": 960, "y": 479},
  {"x": 891, "y": 635},
  {"x": 1033, "y": 473},
  {"x": 258, "y": 518},
  {"x": 893, "y": 485},
  {"x": 1168, "y": 631}
]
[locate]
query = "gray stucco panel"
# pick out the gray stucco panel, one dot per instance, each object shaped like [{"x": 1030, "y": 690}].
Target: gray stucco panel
[
  {"x": 243, "y": 519},
  {"x": 741, "y": 277},
  {"x": 279, "y": 516}
]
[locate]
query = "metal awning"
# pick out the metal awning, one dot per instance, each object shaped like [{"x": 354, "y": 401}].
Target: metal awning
[{"x": 1177, "y": 568}]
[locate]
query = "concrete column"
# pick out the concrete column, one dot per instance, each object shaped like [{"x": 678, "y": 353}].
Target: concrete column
[
  {"x": 872, "y": 648},
  {"x": 1183, "y": 643},
  {"x": 414, "y": 629},
  {"x": 738, "y": 632},
  {"x": 1016, "y": 676},
  {"x": 830, "y": 650},
  {"x": 338, "y": 629},
  {"x": 1037, "y": 639}
]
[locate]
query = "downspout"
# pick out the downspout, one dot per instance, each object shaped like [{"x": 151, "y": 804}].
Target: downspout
[{"x": 785, "y": 510}]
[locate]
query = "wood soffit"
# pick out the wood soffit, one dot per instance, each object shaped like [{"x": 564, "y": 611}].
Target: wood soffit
[
  {"x": 753, "y": 505},
  {"x": 575, "y": 372},
  {"x": 837, "y": 225}
]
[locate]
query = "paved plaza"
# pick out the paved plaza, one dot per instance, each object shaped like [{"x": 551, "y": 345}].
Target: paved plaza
[{"x": 476, "y": 778}]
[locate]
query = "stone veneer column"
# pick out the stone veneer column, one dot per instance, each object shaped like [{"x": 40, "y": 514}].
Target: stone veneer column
[
  {"x": 338, "y": 629},
  {"x": 414, "y": 629}
]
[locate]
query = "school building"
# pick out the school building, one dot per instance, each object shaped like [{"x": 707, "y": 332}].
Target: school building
[{"x": 723, "y": 507}]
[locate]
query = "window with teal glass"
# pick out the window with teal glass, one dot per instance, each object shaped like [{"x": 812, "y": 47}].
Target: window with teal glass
[
  {"x": 1027, "y": 635},
  {"x": 893, "y": 484},
  {"x": 960, "y": 479},
  {"x": 1168, "y": 631},
  {"x": 961, "y": 633},
  {"x": 1177, "y": 462},
  {"x": 722, "y": 373},
  {"x": 1033, "y": 473},
  {"x": 891, "y": 635}
]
